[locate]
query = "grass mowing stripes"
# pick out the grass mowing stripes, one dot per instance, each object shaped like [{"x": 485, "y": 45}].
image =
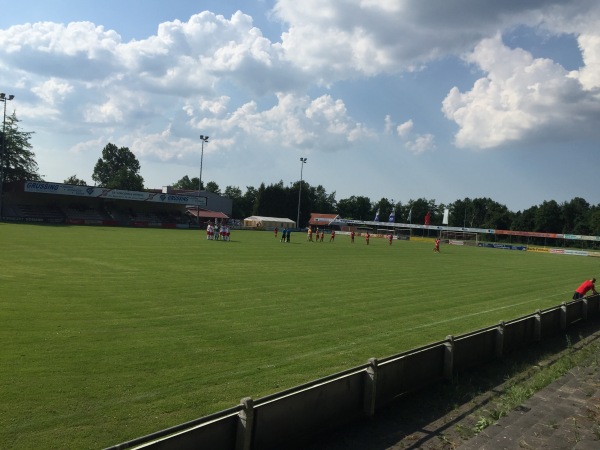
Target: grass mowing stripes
[{"x": 112, "y": 333}]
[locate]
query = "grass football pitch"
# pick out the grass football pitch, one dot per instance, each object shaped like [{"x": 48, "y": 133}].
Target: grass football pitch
[{"x": 109, "y": 334}]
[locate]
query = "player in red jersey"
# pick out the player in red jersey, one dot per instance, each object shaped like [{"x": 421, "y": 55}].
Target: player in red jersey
[{"x": 587, "y": 285}]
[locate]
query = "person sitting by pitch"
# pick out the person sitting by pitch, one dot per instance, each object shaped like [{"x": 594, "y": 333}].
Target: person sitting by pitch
[{"x": 586, "y": 286}]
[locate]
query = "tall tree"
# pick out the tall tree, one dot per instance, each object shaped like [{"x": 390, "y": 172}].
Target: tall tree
[
  {"x": 576, "y": 216},
  {"x": 355, "y": 207},
  {"x": 548, "y": 217},
  {"x": 235, "y": 194},
  {"x": 525, "y": 220},
  {"x": 486, "y": 213},
  {"x": 594, "y": 222},
  {"x": 306, "y": 202},
  {"x": 321, "y": 202},
  {"x": 118, "y": 168},
  {"x": 384, "y": 207},
  {"x": 272, "y": 201},
  {"x": 73, "y": 180},
  {"x": 17, "y": 160},
  {"x": 420, "y": 208},
  {"x": 458, "y": 213},
  {"x": 249, "y": 201},
  {"x": 185, "y": 183},
  {"x": 256, "y": 208},
  {"x": 213, "y": 187}
]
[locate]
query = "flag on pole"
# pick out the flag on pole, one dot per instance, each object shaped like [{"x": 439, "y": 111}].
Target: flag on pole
[
  {"x": 392, "y": 217},
  {"x": 376, "y": 219},
  {"x": 427, "y": 218},
  {"x": 410, "y": 215},
  {"x": 445, "y": 219}
]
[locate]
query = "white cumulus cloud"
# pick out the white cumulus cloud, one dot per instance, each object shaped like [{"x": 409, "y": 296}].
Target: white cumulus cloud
[{"x": 520, "y": 98}]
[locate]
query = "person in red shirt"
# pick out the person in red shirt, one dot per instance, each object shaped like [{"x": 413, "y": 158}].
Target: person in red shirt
[
  {"x": 367, "y": 236},
  {"x": 332, "y": 237},
  {"x": 352, "y": 236},
  {"x": 587, "y": 285},
  {"x": 436, "y": 249},
  {"x": 390, "y": 238}
]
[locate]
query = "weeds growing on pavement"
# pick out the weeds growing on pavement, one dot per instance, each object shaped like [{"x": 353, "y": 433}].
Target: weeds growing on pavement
[{"x": 535, "y": 379}]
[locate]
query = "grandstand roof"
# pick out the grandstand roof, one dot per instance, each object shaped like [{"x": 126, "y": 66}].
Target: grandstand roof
[
  {"x": 207, "y": 214},
  {"x": 319, "y": 219}
]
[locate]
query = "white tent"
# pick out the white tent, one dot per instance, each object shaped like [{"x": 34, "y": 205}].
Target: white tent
[{"x": 265, "y": 223}]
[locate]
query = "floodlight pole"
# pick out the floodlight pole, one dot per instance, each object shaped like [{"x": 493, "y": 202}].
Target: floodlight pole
[
  {"x": 4, "y": 98},
  {"x": 302, "y": 162},
  {"x": 203, "y": 139}
]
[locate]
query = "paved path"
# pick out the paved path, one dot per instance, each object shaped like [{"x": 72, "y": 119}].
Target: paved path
[{"x": 564, "y": 415}]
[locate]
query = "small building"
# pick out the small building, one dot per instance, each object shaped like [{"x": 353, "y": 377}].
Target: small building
[
  {"x": 268, "y": 223},
  {"x": 318, "y": 220},
  {"x": 203, "y": 216}
]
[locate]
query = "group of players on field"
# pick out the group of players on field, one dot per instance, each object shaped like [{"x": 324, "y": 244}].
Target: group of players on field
[
  {"x": 217, "y": 232},
  {"x": 319, "y": 236},
  {"x": 222, "y": 232}
]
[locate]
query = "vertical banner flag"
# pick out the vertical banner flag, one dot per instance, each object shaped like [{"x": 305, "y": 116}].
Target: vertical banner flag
[
  {"x": 410, "y": 216},
  {"x": 428, "y": 218},
  {"x": 392, "y": 217},
  {"x": 376, "y": 219},
  {"x": 445, "y": 220}
]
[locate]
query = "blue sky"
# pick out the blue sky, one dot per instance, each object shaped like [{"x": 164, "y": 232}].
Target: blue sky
[{"x": 442, "y": 100}]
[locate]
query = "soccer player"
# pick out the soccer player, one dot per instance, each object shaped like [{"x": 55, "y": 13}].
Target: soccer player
[
  {"x": 332, "y": 237},
  {"x": 309, "y": 238},
  {"x": 367, "y": 236},
  {"x": 352, "y": 237},
  {"x": 390, "y": 238},
  {"x": 436, "y": 249},
  {"x": 587, "y": 285},
  {"x": 276, "y": 230},
  {"x": 322, "y": 235}
]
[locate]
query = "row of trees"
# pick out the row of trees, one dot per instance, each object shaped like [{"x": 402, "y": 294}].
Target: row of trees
[
  {"x": 573, "y": 217},
  {"x": 118, "y": 168}
]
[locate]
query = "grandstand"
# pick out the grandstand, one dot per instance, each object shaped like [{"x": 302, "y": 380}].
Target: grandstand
[{"x": 42, "y": 202}]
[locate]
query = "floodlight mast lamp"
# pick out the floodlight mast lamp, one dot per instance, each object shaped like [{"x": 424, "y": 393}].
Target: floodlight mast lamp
[
  {"x": 302, "y": 162},
  {"x": 203, "y": 139},
  {"x": 4, "y": 98}
]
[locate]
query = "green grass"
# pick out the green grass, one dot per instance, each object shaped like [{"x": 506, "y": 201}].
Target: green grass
[{"x": 112, "y": 333}]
